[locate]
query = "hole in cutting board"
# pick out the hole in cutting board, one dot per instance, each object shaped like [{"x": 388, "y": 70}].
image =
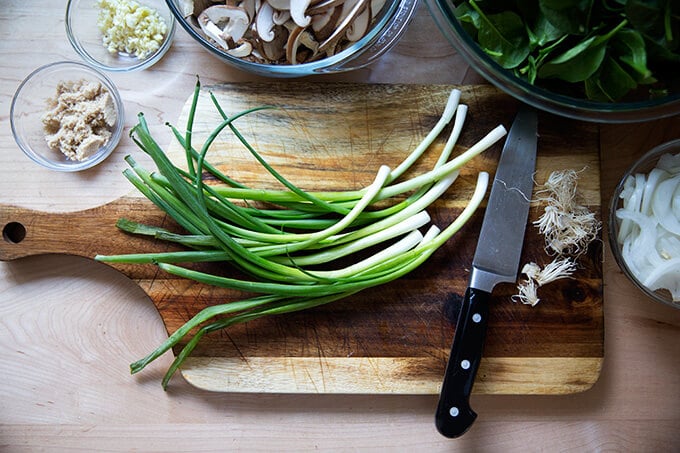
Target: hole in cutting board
[{"x": 14, "y": 232}]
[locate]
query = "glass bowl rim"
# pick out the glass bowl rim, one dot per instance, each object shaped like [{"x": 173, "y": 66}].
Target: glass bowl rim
[
  {"x": 104, "y": 152},
  {"x": 142, "y": 64},
  {"x": 298, "y": 70}
]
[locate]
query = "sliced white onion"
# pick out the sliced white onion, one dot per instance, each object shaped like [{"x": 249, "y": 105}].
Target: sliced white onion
[
  {"x": 649, "y": 226},
  {"x": 655, "y": 177},
  {"x": 670, "y": 163},
  {"x": 665, "y": 276},
  {"x": 662, "y": 201}
]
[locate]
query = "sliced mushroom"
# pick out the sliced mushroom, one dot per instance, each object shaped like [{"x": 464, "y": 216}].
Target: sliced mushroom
[
  {"x": 359, "y": 26},
  {"x": 307, "y": 40},
  {"x": 292, "y": 45},
  {"x": 298, "y": 12},
  {"x": 281, "y": 16},
  {"x": 323, "y": 5},
  {"x": 256, "y": 57},
  {"x": 332, "y": 50},
  {"x": 324, "y": 23},
  {"x": 243, "y": 49},
  {"x": 187, "y": 8},
  {"x": 299, "y": 36},
  {"x": 280, "y": 4},
  {"x": 264, "y": 22},
  {"x": 193, "y": 7},
  {"x": 275, "y": 50},
  {"x": 376, "y": 7},
  {"x": 350, "y": 10},
  {"x": 232, "y": 20},
  {"x": 282, "y": 31},
  {"x": 251, "y": 7},
  {"x": 212, "y": 31}
]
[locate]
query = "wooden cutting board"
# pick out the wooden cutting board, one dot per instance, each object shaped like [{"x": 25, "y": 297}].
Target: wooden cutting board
[{"x": 391, "y": 339}]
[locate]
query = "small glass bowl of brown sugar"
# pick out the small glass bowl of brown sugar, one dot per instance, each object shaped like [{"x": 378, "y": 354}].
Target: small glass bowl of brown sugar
[
  {"x": 120, "y": 35},
  {"x": 67, "y": 116}
]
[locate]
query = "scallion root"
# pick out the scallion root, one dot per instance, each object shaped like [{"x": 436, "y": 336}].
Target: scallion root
[
  {"x": 567, "y": 227},
  {"x": 537, "y": 277}
]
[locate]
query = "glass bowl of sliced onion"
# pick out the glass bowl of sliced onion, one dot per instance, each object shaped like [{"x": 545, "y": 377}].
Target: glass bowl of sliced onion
[{"x": 644, "y": 223}]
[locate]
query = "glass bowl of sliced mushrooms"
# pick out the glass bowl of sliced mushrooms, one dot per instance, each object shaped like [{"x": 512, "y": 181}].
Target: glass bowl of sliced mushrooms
[{"x": 295, "y": 38}]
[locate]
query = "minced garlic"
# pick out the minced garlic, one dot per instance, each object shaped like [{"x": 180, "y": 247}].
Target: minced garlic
[
  {"x": 129, "y": 27},
  {"x": 79, "y": 119}
]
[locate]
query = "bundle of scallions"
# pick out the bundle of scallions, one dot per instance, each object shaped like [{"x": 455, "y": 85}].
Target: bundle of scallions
[{"x": 280, "y": 237}]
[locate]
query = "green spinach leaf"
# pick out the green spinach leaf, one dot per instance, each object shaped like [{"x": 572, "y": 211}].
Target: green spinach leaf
[
  {"x": 569, "y": 16},
  {"x": 576, "y": 64},
  {"x": 545, "y": 32},
  {"x": 503, "y": 36},
  {"x": 611, "y": 82},
  {"x": 629, "y": 47},
  {"x": 598, "y": 49}
]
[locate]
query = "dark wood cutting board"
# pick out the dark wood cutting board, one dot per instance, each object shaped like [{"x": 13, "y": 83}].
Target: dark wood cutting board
[{"x": 391, "y": 339}]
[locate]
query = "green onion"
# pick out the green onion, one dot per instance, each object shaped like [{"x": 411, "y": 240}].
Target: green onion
[{"x": 281, "y": 238}]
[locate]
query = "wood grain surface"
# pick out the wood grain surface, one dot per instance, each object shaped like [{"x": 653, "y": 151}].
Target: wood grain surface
[
  {"x": 390, "y": 339},
  {"x": 69, "y": 327}
]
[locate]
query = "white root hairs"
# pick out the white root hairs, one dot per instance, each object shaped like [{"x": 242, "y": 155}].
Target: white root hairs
[
  {"x": 568, "y": 228},
  {"x": 515, "y": 189},
  {"x": 537, "y": 277}
]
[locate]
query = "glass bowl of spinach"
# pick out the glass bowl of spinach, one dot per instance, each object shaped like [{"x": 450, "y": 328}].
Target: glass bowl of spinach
[{"x": 609, "y": 61}]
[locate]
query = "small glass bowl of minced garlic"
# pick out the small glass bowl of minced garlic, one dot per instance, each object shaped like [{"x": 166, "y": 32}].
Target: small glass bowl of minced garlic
[
  {"x": 120, "y": 35},
  {"x": 67, "y": 116}
]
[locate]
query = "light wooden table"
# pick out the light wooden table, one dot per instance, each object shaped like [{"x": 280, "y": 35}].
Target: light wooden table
[{"x": 69, "y": 327}]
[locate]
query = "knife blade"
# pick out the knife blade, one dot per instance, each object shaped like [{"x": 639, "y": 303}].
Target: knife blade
[{"x": 496, "y": 260}]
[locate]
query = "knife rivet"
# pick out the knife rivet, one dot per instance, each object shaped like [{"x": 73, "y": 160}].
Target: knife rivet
[
  {"x": 476, "y": 317},
  {"x": 453, "y": 411},
  {"x": 465, "y": 364}
]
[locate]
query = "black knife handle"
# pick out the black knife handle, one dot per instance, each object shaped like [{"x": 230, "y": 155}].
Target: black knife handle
[{"x": 454, "y": 415}]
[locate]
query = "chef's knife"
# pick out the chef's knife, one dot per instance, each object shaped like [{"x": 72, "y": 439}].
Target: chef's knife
[{"x": 496, "y": 260}]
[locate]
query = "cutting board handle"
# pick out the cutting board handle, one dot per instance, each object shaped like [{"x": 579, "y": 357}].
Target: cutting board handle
[{"x": 27, "y": 232}]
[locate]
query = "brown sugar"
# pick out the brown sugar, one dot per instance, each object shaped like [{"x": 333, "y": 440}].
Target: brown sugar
[{"x": 80, "y": 118}]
